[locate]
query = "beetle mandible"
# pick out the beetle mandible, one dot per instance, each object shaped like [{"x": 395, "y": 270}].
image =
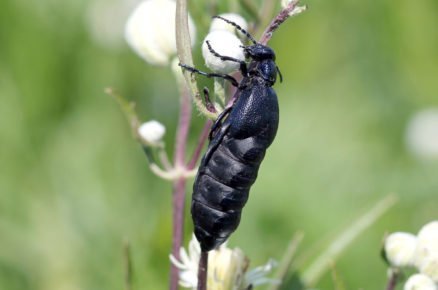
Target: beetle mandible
[{"x": 238, "y": 142}]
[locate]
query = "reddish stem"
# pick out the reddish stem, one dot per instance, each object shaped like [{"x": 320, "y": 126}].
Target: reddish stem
[
  {"x": 178, "y": 197},
  {"x": 183, "y": 128},
  {"x": 393, "y": 279},
  {"x": 202, "y": 271}
]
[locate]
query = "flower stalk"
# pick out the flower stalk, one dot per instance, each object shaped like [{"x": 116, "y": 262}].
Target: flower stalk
[
  {"x": 202, "y": 271},
  {"x": 179, "y": 193}
]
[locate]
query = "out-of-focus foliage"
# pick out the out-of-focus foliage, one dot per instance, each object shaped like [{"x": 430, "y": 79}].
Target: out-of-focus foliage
[{"x": 74, "y": 184}]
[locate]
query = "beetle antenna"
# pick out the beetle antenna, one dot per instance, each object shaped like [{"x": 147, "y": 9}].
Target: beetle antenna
[{"x": 237, "y": 27}]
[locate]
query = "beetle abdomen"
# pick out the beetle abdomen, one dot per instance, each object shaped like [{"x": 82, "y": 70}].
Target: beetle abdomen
[{"x": 221, "y": 189}]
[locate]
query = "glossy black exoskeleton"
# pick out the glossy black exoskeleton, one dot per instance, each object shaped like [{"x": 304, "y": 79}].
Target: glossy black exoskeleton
[{"x": 238, "y": 142}]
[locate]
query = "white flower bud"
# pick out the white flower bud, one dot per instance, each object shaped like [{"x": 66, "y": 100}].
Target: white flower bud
[
  {"x": 429, "y": 267},
  {"x": 422, "y": 134},
  {"x": 219, "y": 24},
  {"x": 150, "y": 31},
  {"x": 226, "y": 44},
  {"x": 419, "y": 282},
  {"x": 426, "y": 256},
  {"x": 152, "y": 132},
  {"x": 428, "y": 236},
  {"x": 400, "y": 249}
]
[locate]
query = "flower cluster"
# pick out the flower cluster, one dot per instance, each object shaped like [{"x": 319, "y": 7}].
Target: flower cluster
[
  {"x": 420, "y": 251},
  {"x": 227, "y": 269}
]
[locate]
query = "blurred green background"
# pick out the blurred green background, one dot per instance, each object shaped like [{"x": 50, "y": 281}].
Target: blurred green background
[{"x": 74, "y": 184}]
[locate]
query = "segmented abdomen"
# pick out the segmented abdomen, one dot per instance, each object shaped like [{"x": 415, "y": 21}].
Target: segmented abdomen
[{"x": 222, "y": 186}]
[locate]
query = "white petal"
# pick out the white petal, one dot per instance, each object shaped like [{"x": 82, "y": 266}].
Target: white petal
[
  {"x": 264, "y": 280},
  {"x": 188, "y": 279},
  {"x": 194, "y": 249},
  {"x": 184, "y": 257},
  {"x": 177, "y": 263},
  {"x": 257, "y": 276}
]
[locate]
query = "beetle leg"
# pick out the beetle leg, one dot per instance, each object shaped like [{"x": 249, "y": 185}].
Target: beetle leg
[
  {"x": 215, "y": 143},
  {"x": 242, "y": 64},
  {"x": 210, "y": 75},
  {"x": 208, "y": 103},
  {"x": 279, "y": 73},
  {"x": 238, "y": 28},
  {"x": 218, "y": 123}
]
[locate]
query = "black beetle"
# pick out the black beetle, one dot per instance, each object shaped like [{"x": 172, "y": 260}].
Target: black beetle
[{"x": 238, "y": 142}]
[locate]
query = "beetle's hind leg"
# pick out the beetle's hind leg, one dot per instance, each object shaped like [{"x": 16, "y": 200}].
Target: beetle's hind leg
[
  {"x": 242, "y": 64},
  {"x": 218, "y": 123},
  {"x": 229, "y": 78}
]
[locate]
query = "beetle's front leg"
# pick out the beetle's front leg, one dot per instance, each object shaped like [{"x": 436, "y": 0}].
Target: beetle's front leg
[{"x": 229, "y": 78}]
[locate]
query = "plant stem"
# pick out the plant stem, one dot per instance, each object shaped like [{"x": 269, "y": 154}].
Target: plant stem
[
  {"x": 178, "y": 227},
  {"x": 183, "y": 43},
  {"x": 179, "y": 193},
  {"x": 202, "y": 271},
  {"x": 183, "y": 127},
  {"x": 393, "y": 279}
]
